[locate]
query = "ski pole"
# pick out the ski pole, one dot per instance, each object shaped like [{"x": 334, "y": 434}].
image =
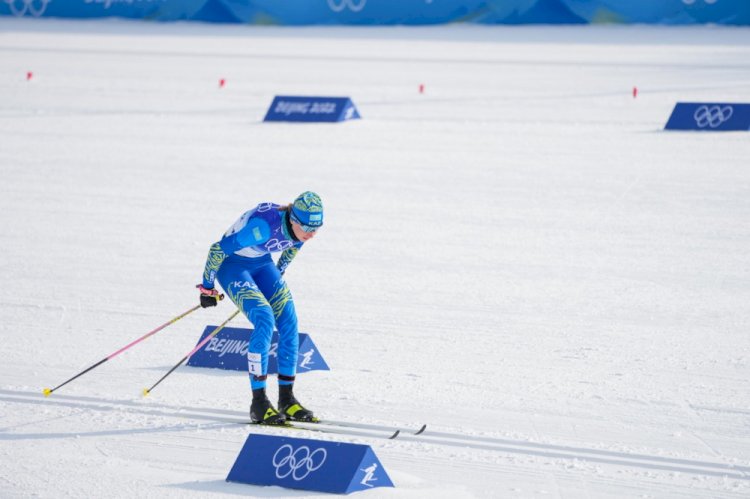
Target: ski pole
[
  {"x": 48, "y": 391},
  {"x": 146, "y": 391}
]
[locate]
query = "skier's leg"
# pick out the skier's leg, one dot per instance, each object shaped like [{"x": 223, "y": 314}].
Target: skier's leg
[
  {"x": 279, "y": 297},
  {"x": 276, "y": 291},
  {"x": 239, "y": 284}
]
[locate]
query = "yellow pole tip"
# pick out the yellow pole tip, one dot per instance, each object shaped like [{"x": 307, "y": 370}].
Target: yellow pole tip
[
  {"x": 47, "y": 392},
  {"x": 146, "y": 392}
]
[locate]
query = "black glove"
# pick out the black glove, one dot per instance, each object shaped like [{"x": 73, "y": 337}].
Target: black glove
[
  {"x": 209, "y": 297},
  {"x": 209, "y": 301}
]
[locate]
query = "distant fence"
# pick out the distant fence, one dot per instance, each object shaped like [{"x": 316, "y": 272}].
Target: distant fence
[{"x": 378, "y": 12}]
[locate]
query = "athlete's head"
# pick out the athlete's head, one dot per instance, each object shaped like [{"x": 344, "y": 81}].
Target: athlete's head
[{"x": 306, "y": 214}]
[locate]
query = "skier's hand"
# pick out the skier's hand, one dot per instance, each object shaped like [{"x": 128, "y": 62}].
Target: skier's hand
[{"x": 209, "y": 297}]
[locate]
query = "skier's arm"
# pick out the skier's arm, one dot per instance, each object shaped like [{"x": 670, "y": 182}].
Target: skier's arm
[
  {"x": 215, "y": 257},
  {"x": 286, "y": 257}
]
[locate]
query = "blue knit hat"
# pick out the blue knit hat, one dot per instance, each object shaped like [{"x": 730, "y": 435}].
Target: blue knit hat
[{"x": 307, "y": 210}]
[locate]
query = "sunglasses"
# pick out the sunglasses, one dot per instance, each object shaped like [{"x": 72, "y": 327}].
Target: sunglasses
[{"x": 305, "y": 228}]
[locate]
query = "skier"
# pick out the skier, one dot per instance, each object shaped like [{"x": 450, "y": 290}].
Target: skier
[{"x": 241, "y": 261}]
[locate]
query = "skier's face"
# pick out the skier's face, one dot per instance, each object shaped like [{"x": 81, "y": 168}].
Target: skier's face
[{"x": 300, "y": 234}]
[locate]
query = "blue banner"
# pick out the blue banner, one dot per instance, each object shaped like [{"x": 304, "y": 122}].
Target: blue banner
[
  {"x": 162, "y": 10},
  {"x": 228, "y": 350},
  {"x": 378, "y": 12},
  {"x": 298, "y": 463},
  {"x": 662, "y": 11},
  {"x": 311, "y": 109},
  {"x": 709, "y": 117}
]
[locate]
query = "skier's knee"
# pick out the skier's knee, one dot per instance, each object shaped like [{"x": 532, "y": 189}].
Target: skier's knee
[{"x": 262, "y": 319}]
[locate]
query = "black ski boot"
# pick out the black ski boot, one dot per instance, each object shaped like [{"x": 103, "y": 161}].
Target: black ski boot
[
  {"x": 291, "y": 408},
  {"x": 262, "y": 412}
]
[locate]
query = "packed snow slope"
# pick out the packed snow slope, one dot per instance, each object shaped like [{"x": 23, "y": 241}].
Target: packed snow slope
[{"x": 519, "y": 256}]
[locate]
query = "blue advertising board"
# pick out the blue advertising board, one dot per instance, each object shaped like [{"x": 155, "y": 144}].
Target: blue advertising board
[
  {"x": 709, "y": 117},
  {"x": 228, "y": 350},
  {"x": 163, "y": 10},
  {"x": 311, "y": 109},
  {"x": 378, "y": 12},
  {"x": 299, "y": 463}
]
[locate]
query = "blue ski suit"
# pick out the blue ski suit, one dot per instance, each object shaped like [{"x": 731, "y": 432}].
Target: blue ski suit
[{"x": 241, "y": 261}]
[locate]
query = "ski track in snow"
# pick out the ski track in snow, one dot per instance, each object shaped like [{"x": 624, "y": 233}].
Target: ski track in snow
[{"x": 519, "y": 257}]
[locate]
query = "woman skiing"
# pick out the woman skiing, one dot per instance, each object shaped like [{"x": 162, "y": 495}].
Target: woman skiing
[{"x": 241, "y": 261}]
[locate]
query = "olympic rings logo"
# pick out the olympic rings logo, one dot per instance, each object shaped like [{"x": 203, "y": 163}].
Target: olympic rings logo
[
  {"x": 34, "y": 7},
  {"x": 712, "y": 116},
  {"x": 278, "y": 245},
  {"x": 353, "y": 5},
  {"x": 297, "y": 463}
]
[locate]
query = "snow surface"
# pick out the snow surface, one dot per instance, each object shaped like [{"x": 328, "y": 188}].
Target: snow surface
[{"x": 519, "y": 257}]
